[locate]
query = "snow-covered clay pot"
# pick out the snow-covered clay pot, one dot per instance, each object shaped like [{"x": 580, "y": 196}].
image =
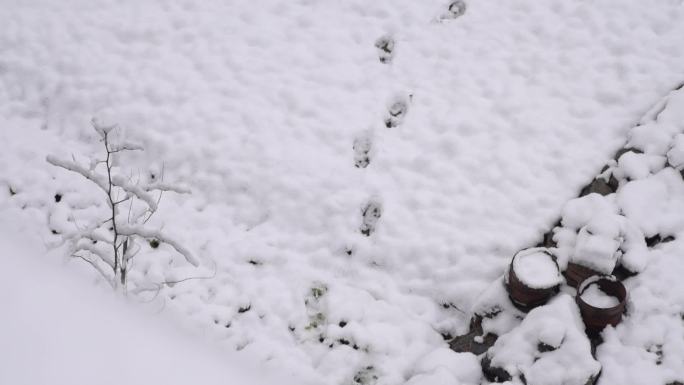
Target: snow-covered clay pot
[
  {"x": 601, "y": 300},
  {"x": 533, "y": 277}
]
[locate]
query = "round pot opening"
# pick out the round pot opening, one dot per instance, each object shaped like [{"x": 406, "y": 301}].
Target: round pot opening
[
  {"x": 533, "y": 277},
  {"x": 602, "y": 301}
]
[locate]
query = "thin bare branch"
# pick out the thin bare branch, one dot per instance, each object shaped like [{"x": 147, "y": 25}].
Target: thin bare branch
[
  {"x": 97, "y": 267},
  {"x": 137, "y": 191},
  {"x": 78, "y": 169},
  {"x": 153, "y": 234}
]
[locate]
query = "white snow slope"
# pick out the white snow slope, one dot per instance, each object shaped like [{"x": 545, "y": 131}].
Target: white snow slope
[
  {"x": 57, "y": 330},
  {"x": 256, "y": 106}
]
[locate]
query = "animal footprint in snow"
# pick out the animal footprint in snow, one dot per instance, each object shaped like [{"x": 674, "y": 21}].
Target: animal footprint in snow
[
  {"x": 371, "y": 214},
  {"x": 456, "y": 9},
  {"x": 385, "y": 46},
  {"x": 397, "y": 111},
  {"x": 362, "y": 147}
]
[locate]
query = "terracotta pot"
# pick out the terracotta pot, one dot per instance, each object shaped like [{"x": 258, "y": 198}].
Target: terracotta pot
[
  {"x": 524, "y": 297},
  {"x": 575, "y": 274},
  {"x": 597, "y": 318}
]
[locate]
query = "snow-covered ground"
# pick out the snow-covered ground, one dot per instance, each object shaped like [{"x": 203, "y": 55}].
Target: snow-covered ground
[
  {"x": 56, "y": 329},
  {"x": 266, "y": 108}
]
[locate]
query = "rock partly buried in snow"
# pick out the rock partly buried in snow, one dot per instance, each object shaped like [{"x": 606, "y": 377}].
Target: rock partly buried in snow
[
  {"x": 634, "y": 166},
  {"x": 497, "y": 313},
  {"x": 604, "y": 184},
  {"x": 597, "y": 244},
  {"x": 476, "y": 341},
  {"x": 549, "y": 347},
  {"x": 533, "y": 277},
  {"x": 594, "y": 236}
]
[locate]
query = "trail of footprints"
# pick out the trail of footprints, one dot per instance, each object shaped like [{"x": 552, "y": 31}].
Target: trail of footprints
[
  {"x": 371, "y": 211},
  {"x": 396, "y": 112}
]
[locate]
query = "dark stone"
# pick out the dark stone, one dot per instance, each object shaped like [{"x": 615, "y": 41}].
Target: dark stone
[
  {"x": 154, "y": 243},
  {"x": 493, "y": 373},
  {"x": 547, "y": 240},
  {"x": 342, "y": 324},
  {"x": 620, "y": 272},
  {"x": 245, "y": 309},
  {"x": 658, "y": 239},
  {"x": 593, "y": 379},
  {"x": 11, "y": 191},
  {"x": 543, "y": 348},
  {"x": 491, "y": 313},
  {"x": 623, "y": 151},
  {"x": 58, "y": 198},
  {"x": 467, "y": 343},
  {"x": 600, "y": 186}
]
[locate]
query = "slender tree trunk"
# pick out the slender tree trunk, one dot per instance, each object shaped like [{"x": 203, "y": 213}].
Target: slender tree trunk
[{"x": 113, "y": 206}]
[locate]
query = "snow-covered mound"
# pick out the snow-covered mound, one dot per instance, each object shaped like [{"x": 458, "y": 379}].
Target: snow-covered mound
[
  {"x": 360, "y": 171},
  {"x": 549, "y": 347},
  {"x": 639, "y": 227},
  {"x": 58, "y": 330}
]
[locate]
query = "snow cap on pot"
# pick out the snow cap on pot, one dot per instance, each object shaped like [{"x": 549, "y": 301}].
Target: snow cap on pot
[{"x": 532, "y": 278}]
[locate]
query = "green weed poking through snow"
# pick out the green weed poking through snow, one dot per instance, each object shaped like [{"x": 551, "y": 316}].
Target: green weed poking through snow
[{"x": 110, "y": 243}]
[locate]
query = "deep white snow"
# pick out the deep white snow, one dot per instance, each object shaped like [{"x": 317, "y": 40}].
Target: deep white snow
[
  {"x": 58, "y": 329},
  {"x": 275, "y": 114}
]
